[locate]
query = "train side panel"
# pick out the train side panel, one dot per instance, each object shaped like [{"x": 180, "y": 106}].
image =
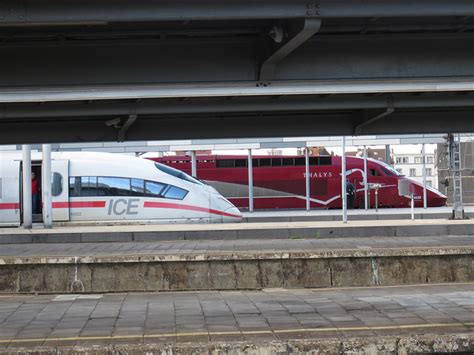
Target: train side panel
[{"x": 9, "y": 192}]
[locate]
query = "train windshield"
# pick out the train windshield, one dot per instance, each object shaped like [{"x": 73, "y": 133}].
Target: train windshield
[
  {"x": 387, "y": 169},
  {"x": 177, "y": 173}
]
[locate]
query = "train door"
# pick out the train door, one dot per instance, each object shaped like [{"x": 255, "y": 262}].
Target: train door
[
  {"x": 60, "y": 189},
  {"x": 10, "y": 193}
]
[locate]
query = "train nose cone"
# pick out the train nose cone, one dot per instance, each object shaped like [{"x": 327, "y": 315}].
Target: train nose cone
[{"x": 232, "y": 215}]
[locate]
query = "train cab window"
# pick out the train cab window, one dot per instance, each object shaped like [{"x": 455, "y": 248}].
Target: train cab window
[
  {"x": 137, "y": 187},
  {"x": 374, "y": 172},
  {"x": 240, "y": 163},
  {"x": 113, "y": 186},
  {"x": 56, "y": 184},
  {"x": 177, "y": 173},
  {"x": 175, "y": 193},
  {"x": 225, "y": 163},
  {"x": 288, "y": 161},
  {"x": 153, "y": 189},
  {"x": 265, "y": 162}
]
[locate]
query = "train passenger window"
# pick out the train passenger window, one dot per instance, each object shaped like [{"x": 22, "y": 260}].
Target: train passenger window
[
  {"x": 240, "y": 163},
  {"x": 288, "y": 162},
  {"x": 74, "y": 186},
  {"x": 276, "y": 161},
  {"x": 138, "y": 187},
  {"x": 113, "y": 186},
  {"x": 265, "y": 162},
  {"x": 153, "y": 189},
  {"x": 88, "y": 186},
  {"x": 57, "y": 184},
  {"x": 225, "y": 163},
  {"x": 325, "y": 160},
  {"x": 299, "y": 161},
  {"x": 175, "y": 193},
  {"x": 255, "y": 163},
  {"x": 313, "y": 161}
]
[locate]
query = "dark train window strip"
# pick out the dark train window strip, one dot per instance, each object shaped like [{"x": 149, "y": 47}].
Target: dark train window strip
[
  {"x": 85, "y": 186},
  {"x": 277, "y": 162}
]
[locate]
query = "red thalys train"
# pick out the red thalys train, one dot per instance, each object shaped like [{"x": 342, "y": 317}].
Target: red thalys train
[{"x": 279, "y": 181}]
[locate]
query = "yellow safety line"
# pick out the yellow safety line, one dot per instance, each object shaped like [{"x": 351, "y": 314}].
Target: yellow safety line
[{"x": 244, "y": 332}]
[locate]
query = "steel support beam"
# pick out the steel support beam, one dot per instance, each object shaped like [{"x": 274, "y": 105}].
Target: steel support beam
[
  {"x": 27, "y": 206},
  {"x": 46, "y": 187},
  {"x": 294, "y": 88},
  {"x": 193, "y": 164},
  {"x": 250, "y": 174},
  {"x": 366, "y": 182},
  {"x": 343, "y": 181},
  {"x": 101, "y": 12},
  {"x": 307, "y": 29},
  {"x": 423, "y": 156},
  {"x": 307, "y": 179},
  {"x": 358, "y": 128}
]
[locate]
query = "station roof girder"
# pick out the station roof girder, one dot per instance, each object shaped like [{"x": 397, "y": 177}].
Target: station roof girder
[{"x": 78, "y": 71}]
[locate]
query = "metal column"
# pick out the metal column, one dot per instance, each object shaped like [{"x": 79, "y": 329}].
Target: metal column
[
  {"x": 307, "y": 178},
  {"x": 423, "y": 155},
  {"x": 250, "y": 171},
  {"x": 455, "y": 165},
  {"x": 27, "y": 199},
  {"x": 343, "y": 179},
  {"x": 193, "y": 163},
  {"x": 388, "y": 159},
  {"x": 366, "y": 187},
  {"x": 46, "y": 187}
]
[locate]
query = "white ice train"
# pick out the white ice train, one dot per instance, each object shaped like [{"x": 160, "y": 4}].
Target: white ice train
[{"x": 102, "y": 187}]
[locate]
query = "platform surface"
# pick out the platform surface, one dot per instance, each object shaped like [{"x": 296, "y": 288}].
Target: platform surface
[
  {"x": 268, "y": 315},
  {"x": 355, "y": 214},
  {"x": 207, "y": 249}
]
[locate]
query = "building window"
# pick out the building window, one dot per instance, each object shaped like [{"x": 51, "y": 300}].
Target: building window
[
  {"x": 401, "y": 160},
  {"x": 412, "y": 172},
  {"x": 429, "y": 172},
  {"x": 418, "y": 160},
  {"x": 400, "y": 171},
  {"x": 429, "y": 183},
  {"x": 429, "y": 160}
]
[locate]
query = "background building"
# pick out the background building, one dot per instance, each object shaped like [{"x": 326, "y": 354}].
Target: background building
[{"x": 408, "y": 161}]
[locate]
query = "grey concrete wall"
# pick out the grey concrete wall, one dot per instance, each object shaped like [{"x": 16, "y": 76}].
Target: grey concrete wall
[
  {"x": 401, "y": 344},
  {"x": 229, "y": 273}
]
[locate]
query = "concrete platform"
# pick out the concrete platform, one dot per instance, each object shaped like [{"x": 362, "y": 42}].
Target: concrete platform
[
  {"x": 353, "y": 215},
  {"x": 268, "y": 230},
  {"x": 395, "y": 320},
  {"x": 235, "y": 264}
]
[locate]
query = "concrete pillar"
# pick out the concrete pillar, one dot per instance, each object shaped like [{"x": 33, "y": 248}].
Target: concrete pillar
[
  {"x": 366, "y": 181},
  {"x": 250, "y": 172},
  {"x": 423, "y": 154},
  {"x": 46, "y": 187},
  {"x": 193, "y": 164},
  {"x": 343, "y": 179},
  {"x": 26, "y": 173},
  {"x": 307, "y": 179}
]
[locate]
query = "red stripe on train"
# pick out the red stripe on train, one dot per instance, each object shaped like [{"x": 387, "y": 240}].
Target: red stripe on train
[
  {"x": 9, "y": 206},
  {"x": 177, "y": 206},
  {"x": 79, "y": 204}
]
